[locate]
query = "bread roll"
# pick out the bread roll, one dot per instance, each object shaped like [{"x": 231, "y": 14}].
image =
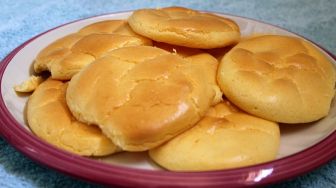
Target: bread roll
[
  {"x": 185, "y": 27},
  {"x": 225, "y": 138},
  {"x": 50, "y": 119},
  {"x": 144, "y": 99},
  {"x": 66, "y": 56},
  {"x": 279, "y": 78}
]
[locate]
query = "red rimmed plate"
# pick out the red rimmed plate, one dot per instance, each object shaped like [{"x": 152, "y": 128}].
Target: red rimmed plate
[{"x": 302, "y": 149}]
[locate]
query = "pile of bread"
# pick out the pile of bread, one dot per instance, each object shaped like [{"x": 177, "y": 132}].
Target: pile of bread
[{"x": 180, "y": 84}]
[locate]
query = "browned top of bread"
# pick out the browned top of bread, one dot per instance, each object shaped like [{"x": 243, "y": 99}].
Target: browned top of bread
[
  {"x": 146, "y": 98},
  {"x": 185, "y": 27},
  {"x": 280, "y": 78}
]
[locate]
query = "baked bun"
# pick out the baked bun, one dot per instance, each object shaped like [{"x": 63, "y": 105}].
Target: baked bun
[
  {"x": 279, "y": 78},
  {"x": 225, "y": 138},
  {"x": 50, "y": 119},
  {"x": 185, "y": 27},
  {"x": 66, "y": 56},
  {"x": 144, "y": 99}
]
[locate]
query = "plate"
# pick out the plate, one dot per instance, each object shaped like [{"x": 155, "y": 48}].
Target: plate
[{"x": 302, "y": 147}]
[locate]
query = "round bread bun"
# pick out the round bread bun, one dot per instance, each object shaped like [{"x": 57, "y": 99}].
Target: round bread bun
[
  {"x": 225, "y": 138},
  {"x": 185, "y": 27},
  {"x": 66, "y": 56},
  {"x": 50, "y": 119},
  {"x": 279, "y": 78},
  {"x": 144, "y": 99}
]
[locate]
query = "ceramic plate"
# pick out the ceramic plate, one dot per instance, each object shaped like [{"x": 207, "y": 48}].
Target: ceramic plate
[{"x": 302, "y": 149}]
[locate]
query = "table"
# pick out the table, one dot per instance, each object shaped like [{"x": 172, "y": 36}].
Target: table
[{"x": 23, "y": 19}]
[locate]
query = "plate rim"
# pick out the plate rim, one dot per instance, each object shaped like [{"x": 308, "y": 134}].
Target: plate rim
[{"x": 98, "y": 172}]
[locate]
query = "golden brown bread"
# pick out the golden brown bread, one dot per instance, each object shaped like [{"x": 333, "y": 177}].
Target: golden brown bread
[
  {"x": 50, "y": 119},
  {"x": 66, "y": 56},
  {"x": 143, "y": 99},
  {"x": 185, "y": 27},
  {"x": 224, "y": 138},
  {"x": 280, "y": 78}
]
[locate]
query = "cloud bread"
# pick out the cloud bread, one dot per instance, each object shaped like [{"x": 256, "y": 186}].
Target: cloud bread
[
  {"x": 279, "y": 78},
  {"x": 66, "y": 56},
  {"x": 185, "y": 27},
  {"x": 50, "y": 119},
  {"x": 143, "y": 99},
  {"x": 224, "y": 138}
]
